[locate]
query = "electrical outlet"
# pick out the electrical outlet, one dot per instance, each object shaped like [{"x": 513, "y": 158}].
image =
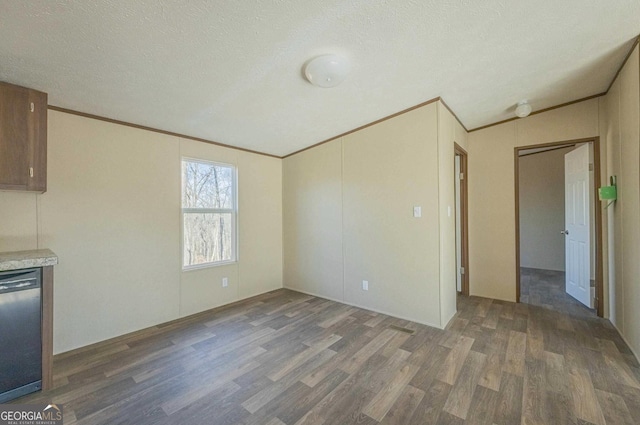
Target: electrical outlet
[
  {"x": 365, "y": 285},
  {"x": 225, "y": 282}
]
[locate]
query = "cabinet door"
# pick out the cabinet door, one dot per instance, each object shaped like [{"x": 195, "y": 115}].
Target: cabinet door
[
  {"x": 37, "y": 139},
  {"x": 14, "y": 137}
]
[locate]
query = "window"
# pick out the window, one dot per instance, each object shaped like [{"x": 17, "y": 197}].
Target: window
[{"x": 208, "y": 213}]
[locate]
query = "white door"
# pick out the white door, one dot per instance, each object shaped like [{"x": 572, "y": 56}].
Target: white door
[{"x": 577, "y": 198}]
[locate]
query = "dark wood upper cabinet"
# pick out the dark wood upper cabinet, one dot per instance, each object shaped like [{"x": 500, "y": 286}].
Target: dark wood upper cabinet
[{"x": 23, "y": 139}]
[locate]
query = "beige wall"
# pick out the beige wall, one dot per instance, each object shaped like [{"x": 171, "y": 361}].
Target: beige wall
[
  {"x": 112, "y": 214},
  {"x": 18, "y": 221},
  {"x": 361, "y": 190},
  {"x": 449, "y": 132},
  {"x": 542, "y": 210},
  {"x": 491, "y": 189},
  {"x": 312, "y": 200},
  {"x": 349, "y": 217},
  {"x": 388, "y": 169},
  {"x": 620, "y": 127}
]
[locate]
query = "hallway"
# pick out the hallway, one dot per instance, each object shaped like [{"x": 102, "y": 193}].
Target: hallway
[{"x": 546, "y": 288}]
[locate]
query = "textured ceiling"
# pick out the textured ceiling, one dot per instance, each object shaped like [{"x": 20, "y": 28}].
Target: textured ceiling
[{"x": 230, "y": 71}]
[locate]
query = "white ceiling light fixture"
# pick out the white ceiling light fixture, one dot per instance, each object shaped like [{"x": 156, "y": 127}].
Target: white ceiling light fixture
[
  {"x": 327, "y": 70},
  {"x": 523, "y": 109}
]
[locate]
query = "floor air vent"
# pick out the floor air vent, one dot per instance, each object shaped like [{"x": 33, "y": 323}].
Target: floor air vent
[{"x": 401, "y": 329}]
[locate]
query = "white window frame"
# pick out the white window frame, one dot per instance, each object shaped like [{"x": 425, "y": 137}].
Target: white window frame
[{"x": 233, "y": 212}]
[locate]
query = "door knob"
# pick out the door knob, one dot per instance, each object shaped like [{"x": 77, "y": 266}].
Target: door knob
[{"x": 565, "y": 232}]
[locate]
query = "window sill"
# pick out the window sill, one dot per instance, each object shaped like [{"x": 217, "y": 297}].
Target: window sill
[{"x": 208, "y": 265}]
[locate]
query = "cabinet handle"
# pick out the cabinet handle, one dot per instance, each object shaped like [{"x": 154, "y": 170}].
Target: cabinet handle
[
  {"x": 31, "y": 172},
  {"x": 32, "y": 107}
]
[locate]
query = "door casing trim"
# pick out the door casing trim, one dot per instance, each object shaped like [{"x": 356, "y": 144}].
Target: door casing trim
[{"x": 598, "y": 213}]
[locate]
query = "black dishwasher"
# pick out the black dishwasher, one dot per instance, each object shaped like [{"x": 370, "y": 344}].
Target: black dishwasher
[{"x": 20, "y": 333}]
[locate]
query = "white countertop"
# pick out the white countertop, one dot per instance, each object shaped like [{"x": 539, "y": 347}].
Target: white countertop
[{"x": 27, "y": 259}]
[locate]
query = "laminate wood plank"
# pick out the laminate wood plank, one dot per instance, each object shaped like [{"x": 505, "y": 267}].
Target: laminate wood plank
[
  {"x": 402, "y": 410},
  {"x": 159, "y": 390},
  {"x": 298, "y": 410},
  {"x": 375, "y": 321},
  {"x": 381, "y": 376},
  {"x": 482, "y": 407},
  {"x": 614, "y": 409},
  {"x": 586, "y": 403},
  {"x": 185, "y": 399},
  {"x": 461, "y": 395},
  {"x": 288, "y": 306},
  {"x": 507, "y": 312},
  {"x": 534, "y": 409},
  {"x": 631, "y": 398},
  {"x": 356, "y": 361},
  {"x": 382, "y": 402},
  {"x": 265, "y": 396},
  {"x": 455, "y": 360},
  {"x": 349, "y": 410},
  {"x": 617, "y": 364},
  {"x": 565, "y": 323},
  {"x": 319, "y": 374},
  {"x": 509, "y": 405},
  {"x": 337, "y": 318},
  {"x": 349, "y": 331},
  {"x": 515, "y": 355},
  {"x": 427, "y": 374},
  {"x": 483, "y": 307},
  {"x": 346, "y": 327},
  {"x": 430, "y": 408},
  {"x": 145, "y": 359},
  {"x": 331, "y": 401},
  {"x": 481, "y": 336},
  {"x": 452, "y": 337},
  {"x": 491, "y": 320},
  {"x": 577, "y": 357},
  {"x": 535, "y": 344},
  {"x": 560, "y": 409},
  {"x": 311, "y": 418},
  {"x": 446, "y": 418},
  {"x": 396, "y": 342},
  {"x": 556, "y": 377},
  {"x": 303, "y": 357},
  {"x": 423, "y": 336},
  {"x": 492, "y": 373},
  {"x": 278, "y": 405}
]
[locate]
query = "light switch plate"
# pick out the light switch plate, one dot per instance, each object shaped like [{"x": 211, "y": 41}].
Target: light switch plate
[
  {"x": 417, "y": 212},
  {"x": 365, "y": 285},
  {"x": 225, "y": 282}
]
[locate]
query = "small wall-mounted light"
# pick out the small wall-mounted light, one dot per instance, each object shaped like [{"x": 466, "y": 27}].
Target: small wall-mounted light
[
  {"x": 523, "y": 109},
  {"x": 326, "y": 70}
]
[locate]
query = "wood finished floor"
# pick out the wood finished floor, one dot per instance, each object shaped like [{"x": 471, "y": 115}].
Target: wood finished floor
[{"x": 289, "y": 358}]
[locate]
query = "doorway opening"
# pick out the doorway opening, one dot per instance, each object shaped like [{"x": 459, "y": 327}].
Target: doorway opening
[
  {"x": 461, "y": 220},
  {"x": 558, "y": 226}
]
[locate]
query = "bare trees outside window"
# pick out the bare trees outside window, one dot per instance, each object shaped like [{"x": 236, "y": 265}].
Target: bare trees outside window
[{"x": 208, "y": 212}]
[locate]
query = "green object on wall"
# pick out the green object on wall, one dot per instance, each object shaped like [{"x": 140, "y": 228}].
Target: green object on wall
[{"x": 608, "y": 193}]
